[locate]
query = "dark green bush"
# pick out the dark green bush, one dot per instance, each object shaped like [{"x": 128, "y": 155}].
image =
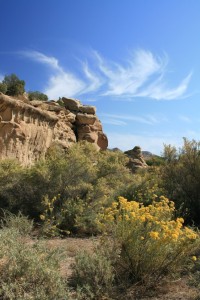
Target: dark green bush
[
  {"x": 155, "y": 160},
  {"x": 37, "y": 96},
  {"x": 3, "y": 88},
  {"x": 22, "y": 189},
  {"x": 181, "y": 178},
  {"x": 14, "y": 85}
]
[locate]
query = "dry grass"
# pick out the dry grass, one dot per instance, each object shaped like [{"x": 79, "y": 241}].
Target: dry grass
[
  {"x": 72, "y": 246},
  {"x": 166, "y": 290}
]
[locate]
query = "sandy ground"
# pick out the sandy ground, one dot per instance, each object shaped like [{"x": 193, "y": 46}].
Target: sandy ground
[{"x": 167, "y": 290}]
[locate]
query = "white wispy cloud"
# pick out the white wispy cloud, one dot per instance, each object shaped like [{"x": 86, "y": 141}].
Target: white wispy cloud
[
  {"x": 114, "y": 122},
  {"x": 42, "y": 58},
  {"x": 63, "y": 84},
  {"x": 142, "y": 75},
  {"x": 95, "y": 81},
  {"x": 159, "y": 91},
  {"x": 148, "y": 119},
  {"x": 127, "y": 79}
]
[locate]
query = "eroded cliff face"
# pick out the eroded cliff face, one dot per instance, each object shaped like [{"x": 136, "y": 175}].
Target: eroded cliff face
[{"x": 27, "y": 130}]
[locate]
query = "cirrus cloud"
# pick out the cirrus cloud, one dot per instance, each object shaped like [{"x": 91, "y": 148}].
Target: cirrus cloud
[{"x": 143, "y": 75}]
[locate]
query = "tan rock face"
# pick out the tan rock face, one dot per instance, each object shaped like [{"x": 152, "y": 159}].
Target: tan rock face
[
  {"x": 136, "y": 160},
  {"x": 71, "y": 104},
  {"x": 28, "y": 130},
  {"x": 87, "y": 109},
  {"x": 85, "y": 119},
  {"x": 88, "y": 127},
  {"x": 25, "y": 132}
]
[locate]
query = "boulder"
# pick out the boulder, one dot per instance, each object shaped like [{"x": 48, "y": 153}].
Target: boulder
[
  {"x": 136, "y": 160},
  {"x": 102, "y": 141},
  {"x": 71, "y": 104},
  {"x": 97, "y": 126},
  {"x": 85, "y": 119},
  {"x": 87, "y": 109}
]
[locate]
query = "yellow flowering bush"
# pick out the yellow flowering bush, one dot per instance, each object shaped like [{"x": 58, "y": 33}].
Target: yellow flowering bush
[
  {"x": 65, "y": 216},
  {"x": 152, "y": 243}
]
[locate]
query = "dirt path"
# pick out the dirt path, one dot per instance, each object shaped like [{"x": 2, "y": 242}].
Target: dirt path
[{"x": 72, "y": 246}]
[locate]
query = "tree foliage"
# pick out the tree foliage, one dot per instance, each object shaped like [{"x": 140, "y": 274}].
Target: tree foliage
[
  {"x": 15, "y": 86},
  {"x": 181, "y": 177},
  {"x": 3, "y": 88}
]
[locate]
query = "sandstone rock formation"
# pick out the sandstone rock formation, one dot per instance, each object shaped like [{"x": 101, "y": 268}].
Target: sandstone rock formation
[
  {"x": 27, "y": 130},
  {"x": 136, "y": 160}
]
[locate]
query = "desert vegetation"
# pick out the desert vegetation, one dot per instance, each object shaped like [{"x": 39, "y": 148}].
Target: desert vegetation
[
  {"x": 145, "y": 224},
  {"x": 11, "y": 85}
]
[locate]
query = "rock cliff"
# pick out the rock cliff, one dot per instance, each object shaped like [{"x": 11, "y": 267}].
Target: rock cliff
[{"x": 28, "y": 129}]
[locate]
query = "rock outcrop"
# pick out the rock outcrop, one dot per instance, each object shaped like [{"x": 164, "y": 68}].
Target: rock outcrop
[
  {"x": 27, "y": 130},
  {"x": 136, "y": 160}
]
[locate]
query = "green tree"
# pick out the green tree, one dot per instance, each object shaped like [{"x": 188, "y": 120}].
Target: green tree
[
  {"x": 181, "y": 178},
  {"x": 3, "y": 88},
  {"x": 15, "y": 86},
  {"x": 37, "y": 96}
]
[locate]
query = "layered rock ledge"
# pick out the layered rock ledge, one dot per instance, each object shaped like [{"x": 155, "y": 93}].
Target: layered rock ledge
[{"x": 28, "y": 129}]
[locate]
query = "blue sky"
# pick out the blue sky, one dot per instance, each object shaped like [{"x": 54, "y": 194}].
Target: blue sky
[{"x": 137, "y": 61}]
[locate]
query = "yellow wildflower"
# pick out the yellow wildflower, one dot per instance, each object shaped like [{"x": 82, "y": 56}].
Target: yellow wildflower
[
  {"x": 181, "y": 220},
  {"x": 194, "y": 258},
  {"x": 154, "y": 235},
  {"x": 175, "y": 236}
]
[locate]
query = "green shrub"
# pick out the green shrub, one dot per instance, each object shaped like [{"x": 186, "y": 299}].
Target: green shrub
[
  {"x": 155, "y": 161},
  {"x": 181, "y": 177},
  {"x": 60, "y": 102},
  {"x": 18, "y": 222},
  {"x": 88, "y": 181},
  {"x": 14, "y": 85},
  {"x": 82, "y": 180},
  {"x": 141, "y": 246},
  {"x": 28, "y": 270},
  {"x": 3, "y": 88},
  {"x": 10, "y": 176},
  {"x": 144, "y": 187},
  {"x": 151, "y": 243},
  {"x": 22, "y": 189},
  {"x": 93, "y": 274},
  {"x": 37, "y": 96}
]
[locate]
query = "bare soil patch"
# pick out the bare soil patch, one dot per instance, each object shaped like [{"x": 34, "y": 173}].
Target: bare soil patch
[{"x": 179, "y": 289}]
